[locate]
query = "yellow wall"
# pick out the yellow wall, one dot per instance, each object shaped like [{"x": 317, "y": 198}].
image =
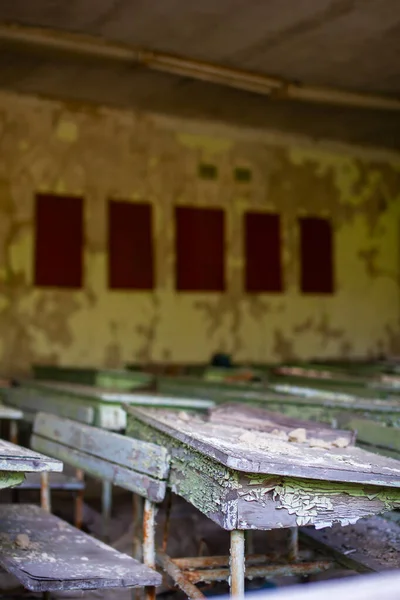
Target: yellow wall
[{"x": 100, "y": 153}]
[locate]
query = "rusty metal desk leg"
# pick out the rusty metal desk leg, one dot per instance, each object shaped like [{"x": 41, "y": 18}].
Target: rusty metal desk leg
[
  {"x": 137, "y": 543},
  {"x": 149, "y": 548},
  {"x": 237, "y": 564},
  {"x": 45, "y": 502},
  {"x": 106, "y": 503},
  {"x": 13, "y": 431}
]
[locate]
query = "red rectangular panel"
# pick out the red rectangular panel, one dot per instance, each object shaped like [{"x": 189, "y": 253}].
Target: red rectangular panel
[
  {"x": 199, "y": 249},
  {"x": 316, "y": 256},
  {"x": 58, "y": 241},
  {"x": 130, "y": 246},
  {"x": 263, "y": 272}
]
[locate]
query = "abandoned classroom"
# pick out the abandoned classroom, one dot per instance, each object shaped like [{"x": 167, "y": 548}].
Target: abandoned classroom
[{"x": 199, "y": 298}]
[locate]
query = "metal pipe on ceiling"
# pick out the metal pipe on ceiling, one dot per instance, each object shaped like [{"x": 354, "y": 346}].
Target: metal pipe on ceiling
[{"x": 158, "y": 61}]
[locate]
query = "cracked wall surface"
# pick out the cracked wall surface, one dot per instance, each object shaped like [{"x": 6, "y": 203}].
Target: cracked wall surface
[{"x": 100, "y": 153}]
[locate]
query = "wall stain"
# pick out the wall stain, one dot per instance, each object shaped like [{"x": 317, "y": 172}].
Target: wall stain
[
  {"x": 101, "y": 154},
  {"x": 283, "y": 347}
]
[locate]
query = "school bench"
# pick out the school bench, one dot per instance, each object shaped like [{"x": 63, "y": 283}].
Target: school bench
[
  {"x": 380, "y": 437},
  {"x": 144, "y": 468},
  {"x": 29, "y": 403},
  {"x": 46, "y": 554},
  {"x": 244, "y": 477},
  {"x": 134, "y": 465},
  {"x": 92, "y": 406},
  {"x": 118, "y": 379}
]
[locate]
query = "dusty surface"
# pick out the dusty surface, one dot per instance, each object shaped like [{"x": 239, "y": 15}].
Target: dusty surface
[
  {"x": 261, "y": 452},
  {"x": 378, "y": 538}
]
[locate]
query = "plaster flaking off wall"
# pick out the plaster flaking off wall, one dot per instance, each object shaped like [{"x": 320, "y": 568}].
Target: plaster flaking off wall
[{"x": 100, "y": 153}]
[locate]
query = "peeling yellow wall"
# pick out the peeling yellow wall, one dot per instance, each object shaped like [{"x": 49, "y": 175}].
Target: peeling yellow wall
[{"x": 101, "y": 153}]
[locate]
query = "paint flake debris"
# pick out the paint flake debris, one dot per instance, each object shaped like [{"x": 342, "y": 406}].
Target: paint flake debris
[
  {"x": 298, "y": 435},
  {"x": 23, "y": 541}
]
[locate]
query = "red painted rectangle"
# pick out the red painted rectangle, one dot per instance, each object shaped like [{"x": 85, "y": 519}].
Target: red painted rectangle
[
  {"x": 262, "y": 246},
  {"x": 130, "y": 246},
  {"x": 58, "y": 241},
  {"x": 316, "y": 256},
  {"x": 200, "y": 248}
]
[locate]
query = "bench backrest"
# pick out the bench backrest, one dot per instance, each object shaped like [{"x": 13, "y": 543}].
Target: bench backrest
[
  {"x": 138, "y": 466},
  {"x": 374, "y": 434},
  {"x": 31, "y": 401}
]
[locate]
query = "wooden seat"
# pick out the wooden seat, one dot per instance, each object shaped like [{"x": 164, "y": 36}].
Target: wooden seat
[
  {"x": 135, "y": 465},
  {"x": 46, "y": 554},
  {"x": 57, "y": 481}
]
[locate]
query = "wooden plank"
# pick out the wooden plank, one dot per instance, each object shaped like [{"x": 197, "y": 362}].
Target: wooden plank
[
  {"x": 8, "y": 413},
  {"x": 32, "y": 401},
  {"x": 375, "y": 434},
  {"x": 51, "y": 561},
  {"x": 275, "y": 502},
  {"x": 158, "y": 401},
  {"x": 113, "y": 378},
  {"x": 88, "y": 404},
  {"x": 259, "y": 419},
  {"x": 139, "y": 483},
  {"x": 16, "y": 458},
  {"x": 57, "y": 481},
  {"x": 206, "y": 484},
  {"x": 324, "y": 410},
  {"x": 110, "y": 396},
  {"x": 198, "y": 387},
  {"x": 146, "y": 458},
  {"x": 241, "y": 500},
  {"x": 263, "y": 453},
  {"x": 343, "y": 393},
  {"x": 110, "y": 417},
  {"x": 379, "y": 450},
  {"x": 307, "y": 404},
  {"x": 320, "y": 379},
  {"x": 232, "y": 374}
]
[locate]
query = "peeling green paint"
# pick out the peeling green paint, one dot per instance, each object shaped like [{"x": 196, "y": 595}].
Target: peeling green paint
[
  {"x": 10, "y": 479},
  {"x": 307, "y": 499},
  {"x": 201, "y": 481}
]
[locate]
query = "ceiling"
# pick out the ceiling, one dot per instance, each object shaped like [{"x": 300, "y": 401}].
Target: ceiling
[{"x": 351, "y": 45}]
